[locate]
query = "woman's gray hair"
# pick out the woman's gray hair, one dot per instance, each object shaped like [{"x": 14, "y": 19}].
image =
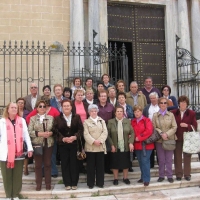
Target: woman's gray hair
[
  {"x": 154, "y": 94},
  {"x": 93, "y": 106}
]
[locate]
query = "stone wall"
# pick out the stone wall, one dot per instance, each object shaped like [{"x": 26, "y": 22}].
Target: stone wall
[{"x": 43, "y": 20}]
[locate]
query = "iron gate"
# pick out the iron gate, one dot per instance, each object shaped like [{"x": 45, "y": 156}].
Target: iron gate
[{"x": 188, "y": 76}]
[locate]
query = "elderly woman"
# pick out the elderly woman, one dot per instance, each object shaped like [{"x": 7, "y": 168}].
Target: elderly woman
[
  {"x": 165, "y": 123},
  {"x": 77, "y": 85},
  {"x": 13, "y": 131},
  {"x": 68, "y": 129},
  {"x": 40, "y": 130},
  {"x": 95, "y": 134},
  {"x": 185, "y": 118},
  {"x": 172, "y": 102},
  {"x": 121, "y": 138},
  {"x": 89, "y": 97},
  {"x": 46, "y": 91},
  {"x": 143, "y": 129}
]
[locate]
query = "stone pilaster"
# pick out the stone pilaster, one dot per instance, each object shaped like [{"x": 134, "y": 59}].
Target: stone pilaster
[
  {"x": 183, "y": 24},
  {"x": 56, "y": 64},
  {"x": 195, "y": 25}
]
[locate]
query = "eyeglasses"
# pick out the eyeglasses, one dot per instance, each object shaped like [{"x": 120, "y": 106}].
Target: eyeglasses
[
  {"x": 163, "y": 102},
  {"x": 41, "y": 106},
  {"x": 33, "y": 87}
]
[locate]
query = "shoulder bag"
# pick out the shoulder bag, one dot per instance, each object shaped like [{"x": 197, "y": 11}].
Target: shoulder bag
[{"x": 191, "y": 142}]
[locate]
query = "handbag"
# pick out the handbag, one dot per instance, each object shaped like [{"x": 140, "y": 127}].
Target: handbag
[
  {"x": 38, "y": 149},
  {"x": 191, "y": 142},
  {"x": 153, "y": 138},
  {"x": 25, "y": 151},
  {"x": 169, "y": 145},
  {"x": 81, "y": 155}
]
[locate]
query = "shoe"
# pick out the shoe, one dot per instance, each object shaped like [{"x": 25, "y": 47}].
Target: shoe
[
  {"x": 115, "y": 182},
  {"x": 178, "y": 178},
  {"x": 109, "y": 172},
  {"x": 58, "y": 162},
  {"x": 146, "y": 183},
  {"x": 68, "y": 187},
  {"x": 130, "y": 169},
  {"x": 160, "y": 179},
  {"x": 140, "y": 181},
  {"x": 126, "y": 181},
  {"x": 48, "y": 187},
  {"x": 26, "y": 173},
  {"x": 171, "y": 180},
  {"x": 90, "y": 187},
  {"x": 38, "y": 188},
  {"x": 74, "y": 187},
  {"x": 100, "y": 186},
  {"x": 187, "y": 178},
  {"x": 54, "y": 176}
]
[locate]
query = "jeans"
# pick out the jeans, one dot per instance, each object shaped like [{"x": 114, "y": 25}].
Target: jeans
[
  {"x": 144, "y": 163},
  {"x": 54, "y": 170}
]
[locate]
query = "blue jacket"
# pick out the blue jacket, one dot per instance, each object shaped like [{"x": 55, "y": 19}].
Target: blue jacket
[
  {"x": 175, "y": 103},
  {"x": 54, "y": 103},
  {"x": 129, "y": 111}
]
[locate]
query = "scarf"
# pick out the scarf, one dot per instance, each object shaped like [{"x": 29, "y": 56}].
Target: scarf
[
  {"x": 120, "y": 135},
  {"x": 15, "y": 145}
]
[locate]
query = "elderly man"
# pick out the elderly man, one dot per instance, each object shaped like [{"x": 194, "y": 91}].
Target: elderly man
[
  {"x": 134, "y": 97},
  {"x": 148, "y": 88},
  {"x": 32, "y": 98},
  {"x": 148, "y": 111}
]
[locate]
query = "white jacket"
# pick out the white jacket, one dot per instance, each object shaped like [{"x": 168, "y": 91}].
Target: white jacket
[{"x": 3, "y": 139}]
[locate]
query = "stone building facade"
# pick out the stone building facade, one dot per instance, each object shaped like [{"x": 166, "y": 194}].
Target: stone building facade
[{"x": 75, "y": 20}]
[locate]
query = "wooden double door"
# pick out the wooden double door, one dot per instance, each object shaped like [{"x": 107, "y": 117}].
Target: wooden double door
[{"x": 141, "y": 29}]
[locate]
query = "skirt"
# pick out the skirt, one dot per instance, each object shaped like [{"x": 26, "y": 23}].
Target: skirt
[{"x": 120, "y": 160}]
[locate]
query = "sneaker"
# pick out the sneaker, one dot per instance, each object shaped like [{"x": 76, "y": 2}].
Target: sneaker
[
  {"x": 171, "y": 180},
  {"x": 115, "y": 182},
  {"x": 160, "y": 179},
  {"x": 68, "y": 187},
  {"x": 126, "y": 181}
]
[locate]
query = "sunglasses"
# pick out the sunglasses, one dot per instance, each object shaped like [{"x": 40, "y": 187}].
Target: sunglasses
[
  {"x": 33, "y": 87},
  {"x": 163, "y": 102},
  {"x": 41, "y": 106}
]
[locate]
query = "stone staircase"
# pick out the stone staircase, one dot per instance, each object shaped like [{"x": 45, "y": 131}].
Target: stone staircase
[{"x": 164, "y": 190}]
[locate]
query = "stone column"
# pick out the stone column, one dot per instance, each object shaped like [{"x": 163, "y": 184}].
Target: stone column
[
  {"x": 184, "y": 34},
  {"x": 56, "y": 64},
  {"x": 76, "y": 35},
  {"x": 195, "y": 23},
  {"x": 183, "y": 25}
]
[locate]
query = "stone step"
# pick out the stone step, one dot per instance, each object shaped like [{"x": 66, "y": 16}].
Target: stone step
[
  {"x": 195, "y": 158},
  {"x": 30, "y": 179},
  {"x": 156, "y": 190}
]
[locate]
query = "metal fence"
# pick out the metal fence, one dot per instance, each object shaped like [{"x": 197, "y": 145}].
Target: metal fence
[
  {"x": 188, "y": 76},
  {"x": 22, "y": 63}
]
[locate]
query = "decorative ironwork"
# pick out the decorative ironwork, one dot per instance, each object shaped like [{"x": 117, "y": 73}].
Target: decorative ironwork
[
  {"x": 188, "y": 76},
  {"x": 22, "y": 63}
]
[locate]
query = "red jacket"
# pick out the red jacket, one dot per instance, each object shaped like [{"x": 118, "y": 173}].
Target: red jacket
[
  {"x": 189, "y": 118},
  {"x": 142, "y": 130}
]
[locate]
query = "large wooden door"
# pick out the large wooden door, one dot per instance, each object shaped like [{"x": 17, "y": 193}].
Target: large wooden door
[{"x": 143, "y": 26}]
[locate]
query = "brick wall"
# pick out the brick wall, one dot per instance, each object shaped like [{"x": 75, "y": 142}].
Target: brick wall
[{"x": 43, "y": 20}]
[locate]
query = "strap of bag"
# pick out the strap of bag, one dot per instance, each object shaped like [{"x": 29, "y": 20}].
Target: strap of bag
[{"x": 192, "y": 128}]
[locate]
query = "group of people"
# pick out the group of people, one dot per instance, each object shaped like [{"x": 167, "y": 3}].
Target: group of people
[{"x": 110, "y": 124}]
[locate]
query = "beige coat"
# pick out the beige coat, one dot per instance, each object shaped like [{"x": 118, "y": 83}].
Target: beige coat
[
  {"x": 35, "y": 126},
  {"x": 141, "y": 100},
  {"x": 165, "y": 124},
  {"x": 92, "y": 132}
]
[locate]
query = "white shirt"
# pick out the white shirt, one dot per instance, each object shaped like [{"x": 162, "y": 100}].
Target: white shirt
[
  {"x": 89, "y": 102},
  {"x": 153, "y": 109},
  {"x": 68, "y": 119},
  {"x": 33, "y": 101},
  {"x": 113, "y": 102}
]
